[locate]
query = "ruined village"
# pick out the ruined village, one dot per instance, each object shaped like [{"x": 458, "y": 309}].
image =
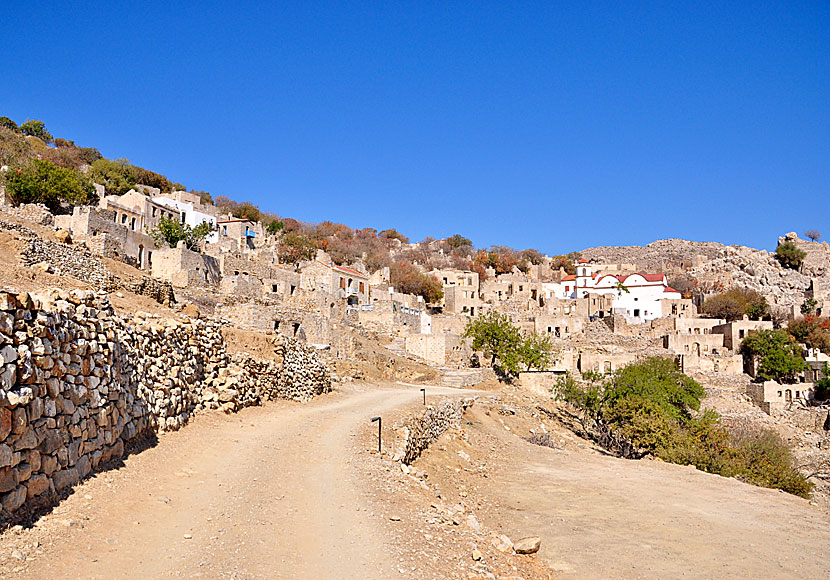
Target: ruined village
[{"x": 108, "y": 338}]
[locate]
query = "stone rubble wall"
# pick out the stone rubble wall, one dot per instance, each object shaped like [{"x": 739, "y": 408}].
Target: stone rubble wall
[
  {"x": 79, "y": 383},
  {"x": 70, "y": 260},
  {"x": 33, "y": 212},
  {"x": 421, "y": 431}
]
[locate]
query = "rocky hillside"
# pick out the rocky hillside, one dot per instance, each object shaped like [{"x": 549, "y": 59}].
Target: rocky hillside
[{"x": 659, "y": 256}]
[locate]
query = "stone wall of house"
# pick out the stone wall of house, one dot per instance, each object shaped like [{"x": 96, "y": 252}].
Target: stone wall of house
[
  {"x": 78, "y": 383},
  {"x": 70, "y": 260}
]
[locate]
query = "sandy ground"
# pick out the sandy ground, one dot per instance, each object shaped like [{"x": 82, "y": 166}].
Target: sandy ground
[{"x": 604, "y": 517}]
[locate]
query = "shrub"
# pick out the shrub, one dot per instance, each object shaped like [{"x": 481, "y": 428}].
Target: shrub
[
  {"x": 393, "y": 234},
  {"x": 9, "y": 124},
  {"x": 15, "y": 150},
  {"x": 647, "y": 407},
  {"x": 116, "y": 176},
  {"x": 735, "y": 303},
  {"x": 35, "y": 128},
  {"x": 789, "y": 255},
  {"x": 46, "y": 183}
]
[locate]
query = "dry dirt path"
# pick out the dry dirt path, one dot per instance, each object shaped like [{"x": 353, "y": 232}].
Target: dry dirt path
[{"x": 272, "y": 492}]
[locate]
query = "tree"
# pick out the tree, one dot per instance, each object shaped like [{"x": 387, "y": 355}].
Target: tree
[
  {"x": 536, "y": 351},
  {"x": 812, "y": 330},
  {"x": 789, "y": 255},
  {"x": 458, "y": 241},
  {"x": 171, "y": 231},
  {"x": 393, "y": 234},
  {"x": 779, "y": 354},
  {"x": 46, "y": 183},
  {"x": 409, "y": 279},
  {"x": 735, "y": 303},
  {"x": 151, "y": 178},
  {"x": 204, "y": 197},
  {"x": 295, "y": 247},
  {"x": 814, "y": 235},
  {"x": 9, "y": 124},
  {"x": 35, "y": 128},
  {"x": 116, "y": 176},
  {"x": 247, "y": 211},
  {"x": 494, "y": 334},
  {"x": 274, "y": 227}
]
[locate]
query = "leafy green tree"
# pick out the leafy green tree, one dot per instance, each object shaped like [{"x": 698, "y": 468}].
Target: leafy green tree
[
  {"x": 169, "y": 232},
  {"x": 536, "y": 351},
  {"x": 808, "y": 306},
  {"x": 778, "y": 352},
  {"x": 35, "y": 128},
  {"x": 247, "y": 211},
  {"x": 789, "y": 255},
  {"x": 494, "y": 334},
  {"x": 46, "y": 183},
  {"x": 147, "y": 177},
  {"x": 116, "y": 176}
]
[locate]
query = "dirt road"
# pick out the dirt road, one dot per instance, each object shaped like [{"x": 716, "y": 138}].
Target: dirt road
[{"x": 269, "y": 493}]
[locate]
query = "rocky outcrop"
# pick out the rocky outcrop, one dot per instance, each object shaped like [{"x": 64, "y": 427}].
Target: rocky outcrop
[
  {"x": 659, "y": 256},
  {"x": 817, "y": 261},
  {"x": 739, "y": 266}
]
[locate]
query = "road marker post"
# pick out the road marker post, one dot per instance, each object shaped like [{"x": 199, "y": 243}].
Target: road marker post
[{"x": 380, "y": 422}]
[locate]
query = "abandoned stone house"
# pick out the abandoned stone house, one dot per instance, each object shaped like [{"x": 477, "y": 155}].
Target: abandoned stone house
[
  {"x": 774, "y": 398},
  {"x": 185, "y": 268},
  {"x": 734, "y": 332},
  {"x": 343, "y": 283},
  {"x": 100, "y": 229},
  {"x": 238, "y": 234},
  {"x": 137, "y": 211}
]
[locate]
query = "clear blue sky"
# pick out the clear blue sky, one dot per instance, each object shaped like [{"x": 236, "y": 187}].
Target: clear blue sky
[{"x": 525, "y": 124}]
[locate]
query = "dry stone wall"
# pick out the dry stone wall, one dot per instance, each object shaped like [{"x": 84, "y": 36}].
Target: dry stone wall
[
  {"x": 78, "y": 383},
  {"x": 421, "y": 431}
]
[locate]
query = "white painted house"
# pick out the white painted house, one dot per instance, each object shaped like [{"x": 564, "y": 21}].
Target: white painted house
[
  {"x": 190, "y": 215},
  {"x": 636, "y": 296}
]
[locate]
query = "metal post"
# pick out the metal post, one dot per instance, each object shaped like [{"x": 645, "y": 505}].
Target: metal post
[
  {"x": 380, "y": 422},
  {"x": 424, "y": 391}
]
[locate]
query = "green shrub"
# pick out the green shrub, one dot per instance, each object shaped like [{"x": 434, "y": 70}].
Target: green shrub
[
  {"x": 116, "y": 176},
  {"x": 789, "y": 255},
  {"x": 46, "y": 183},
  {"x": 648, "y": 407}
]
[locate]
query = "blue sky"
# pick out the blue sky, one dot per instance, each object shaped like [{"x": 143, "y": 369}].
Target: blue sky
[{"x": 526, "y": 124}]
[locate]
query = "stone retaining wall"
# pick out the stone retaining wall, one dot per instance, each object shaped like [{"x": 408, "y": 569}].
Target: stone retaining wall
[
  {"x": 421, "y": 431},
  {"x": 78, "y": 382}
]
